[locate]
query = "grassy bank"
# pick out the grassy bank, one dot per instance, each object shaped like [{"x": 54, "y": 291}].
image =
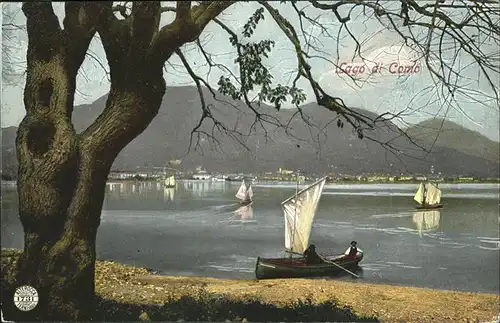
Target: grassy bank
[{"x": 128, "y": 294}]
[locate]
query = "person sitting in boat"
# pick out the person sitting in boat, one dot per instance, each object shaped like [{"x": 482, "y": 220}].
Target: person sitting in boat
[
  {"x": 311, "y": 255},
  {"x": 352, "y": 251}
]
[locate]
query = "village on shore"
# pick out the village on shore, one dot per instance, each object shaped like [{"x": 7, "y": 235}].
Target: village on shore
[{"x": 284, "y": 175}]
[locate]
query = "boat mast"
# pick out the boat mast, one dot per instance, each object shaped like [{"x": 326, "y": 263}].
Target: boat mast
[
  {"x": 423, "y": 194},
  {"x": 295, "y": 214}
]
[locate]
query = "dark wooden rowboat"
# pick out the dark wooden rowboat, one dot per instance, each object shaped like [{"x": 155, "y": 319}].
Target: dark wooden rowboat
[
  {"x": 267, "y": 268},
  {"x": 429, "y": 207}
]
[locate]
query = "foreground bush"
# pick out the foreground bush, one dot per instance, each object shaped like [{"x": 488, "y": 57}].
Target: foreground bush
[{"x": 207, "y": 307}]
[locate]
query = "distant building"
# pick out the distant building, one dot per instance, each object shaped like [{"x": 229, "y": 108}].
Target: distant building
[
  {"x": 175, "y": 162},
  {"x": 201, "y": 174},
  {"x": 121, "y": 175},
  {"x": 283, "y": 171}
]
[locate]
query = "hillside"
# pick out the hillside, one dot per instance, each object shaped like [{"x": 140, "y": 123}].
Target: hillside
[
  {"x": 444, "y": 133},
  {"x": 332, "y": 150}
]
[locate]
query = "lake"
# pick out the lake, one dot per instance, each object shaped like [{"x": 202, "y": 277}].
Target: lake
[{"x": 193, "y": 230}]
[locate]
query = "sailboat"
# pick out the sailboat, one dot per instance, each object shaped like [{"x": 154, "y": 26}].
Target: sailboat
[
  {"x": 169, "y": 182},
  {"x": 245, "y": 194},
  {"x": 299, "y": 211},
  {"x": 426, "y": 220},
  {"x": 428, "y": 196}
]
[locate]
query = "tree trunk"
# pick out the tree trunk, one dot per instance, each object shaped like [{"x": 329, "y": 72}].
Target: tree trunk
[
  {"x": 61, "y": 186},
  {"x": 61, "y": 174},
  {"x": 60, "y": 222}
]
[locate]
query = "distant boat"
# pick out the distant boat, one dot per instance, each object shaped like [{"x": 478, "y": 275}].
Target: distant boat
[
  {"x": 245, "y": 194},
  {"x": 299, "y": 211},
  {"x": 426, "y": 221},
  {"x": 234, "y": 178},
  {"x": 428, "y": 196},
  {"x": 169, "y": 182}
]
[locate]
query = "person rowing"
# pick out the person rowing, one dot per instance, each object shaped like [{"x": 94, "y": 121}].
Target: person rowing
[
  {"x": 312, "y": 256},
  {"x": 352, "y": 251}
]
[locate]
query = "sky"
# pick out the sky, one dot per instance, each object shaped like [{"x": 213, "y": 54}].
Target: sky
[{"x": 414, "y": 93}]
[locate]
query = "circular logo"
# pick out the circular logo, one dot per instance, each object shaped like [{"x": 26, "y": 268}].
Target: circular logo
[{"x": 26, "y": 298}]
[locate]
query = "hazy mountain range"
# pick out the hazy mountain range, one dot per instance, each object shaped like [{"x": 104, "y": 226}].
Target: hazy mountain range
[{"x": 455, "y": 150}]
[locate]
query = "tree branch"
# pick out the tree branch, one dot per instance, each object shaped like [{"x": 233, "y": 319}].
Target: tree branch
[
  {"x": 80, "y": 25},
  {"x": 43, "y": 25},
  {"x": 206, "y": 112},
  {"x": 187, "y": 27},
  {"x": 145, "y": 17},
  {"x": 182, "y": 11}
]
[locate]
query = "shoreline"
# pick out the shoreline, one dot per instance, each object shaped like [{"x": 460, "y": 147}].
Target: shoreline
[
  {"x": 136, "y": 286},
  {"x": 263, "y": 181},
  {"x": 114, "y": 181}
]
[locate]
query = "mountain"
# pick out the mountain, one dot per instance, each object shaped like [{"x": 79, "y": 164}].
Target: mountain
[
  {"x": 321, "y": 148},
  {"x": 444, "y": 133}
]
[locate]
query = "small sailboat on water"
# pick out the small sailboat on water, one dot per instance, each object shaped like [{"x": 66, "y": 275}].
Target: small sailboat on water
[
  {"x": 428, "y": 196},
  {"x": 245, "y": 194},
  {"x": 169, "y": 182},
  {"x": 299, "y": 211}
]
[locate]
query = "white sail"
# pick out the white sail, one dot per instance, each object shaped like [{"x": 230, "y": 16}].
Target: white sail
[
  {"x": 433, "y": 194},
  {"x": 419, "y": 196},
  {"x": 426, "y": 220},
  {"x": 299, "y": 211},
  {"x": 249, "y": 193},
  {"x": 243, "y": 193},
  {"x": 170, "y": 181}
]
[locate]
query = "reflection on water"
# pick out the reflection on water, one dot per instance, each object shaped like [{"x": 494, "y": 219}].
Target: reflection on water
[
  {"x": 168, "y": 194},
  {"x": 426, "y": 220},
  {"x": 244, "y": 212},
  {"x": 197, "y": 228},
  {"x": 202, "y": 188}
]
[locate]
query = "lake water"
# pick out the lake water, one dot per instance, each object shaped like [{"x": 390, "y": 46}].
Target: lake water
[{"x": 193, "y": 230}]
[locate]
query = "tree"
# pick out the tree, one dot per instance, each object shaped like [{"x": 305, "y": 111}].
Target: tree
[{"x": 62, "y": 174}]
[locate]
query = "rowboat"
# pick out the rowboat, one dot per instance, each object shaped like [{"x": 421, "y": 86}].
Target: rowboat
[
  {"x": 299, "y": 211},
  {"x": 267, "y": 268}
]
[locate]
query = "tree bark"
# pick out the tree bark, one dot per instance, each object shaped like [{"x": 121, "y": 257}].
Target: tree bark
[
  {"x": 61, "y": 174},
  {"x": 61, "y": 184}
]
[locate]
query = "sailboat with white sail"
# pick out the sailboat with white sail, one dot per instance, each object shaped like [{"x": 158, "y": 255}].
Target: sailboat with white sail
[
  {"x": 428, "y": 196},
  {"x": 245, "y": 194},
  {"x": 169, "y": 182},
  {"x": 299, "y": 211}
]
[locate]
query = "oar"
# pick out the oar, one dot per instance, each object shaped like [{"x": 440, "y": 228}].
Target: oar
[{"x": 332, "y": 262}]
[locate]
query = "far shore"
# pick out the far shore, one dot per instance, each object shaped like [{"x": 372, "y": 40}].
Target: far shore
[
  {"x": 264, "y": 181},
  {"x": 132, "y": 286},
  {"x": 271, "y": 181}
]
